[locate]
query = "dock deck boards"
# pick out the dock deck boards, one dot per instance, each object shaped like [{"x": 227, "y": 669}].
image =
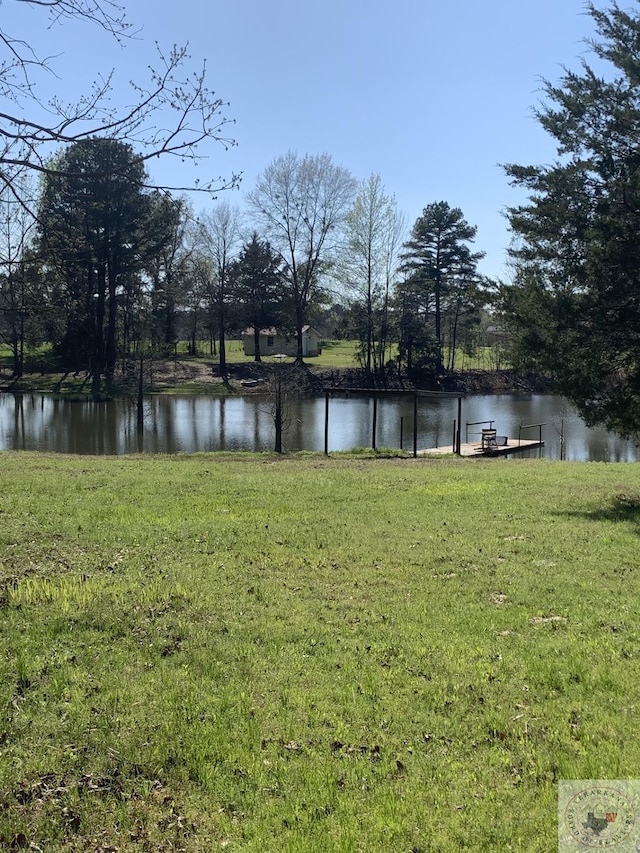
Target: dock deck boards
[{"x": 474, "y": 448}]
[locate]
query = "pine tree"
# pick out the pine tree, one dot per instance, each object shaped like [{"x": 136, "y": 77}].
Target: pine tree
[
  {"x": 256, "y": 282},
  {"x": 92, "y": 214},
  {"x": 575, "y": 301},
  {"x": 439, "y": 263}
]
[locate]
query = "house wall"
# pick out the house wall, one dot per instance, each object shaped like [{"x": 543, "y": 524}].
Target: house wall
[
  {"x": 269, "y": 345},
  {"x": 310, "y": 341},
  {"x": 274, "y": 344}
]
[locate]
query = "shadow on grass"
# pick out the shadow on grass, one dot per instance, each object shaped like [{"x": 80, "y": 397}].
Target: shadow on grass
[{"x": 623, "y": 507}]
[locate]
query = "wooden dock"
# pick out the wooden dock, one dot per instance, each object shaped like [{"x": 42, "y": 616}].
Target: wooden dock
[{"x": 475, "y": 449}]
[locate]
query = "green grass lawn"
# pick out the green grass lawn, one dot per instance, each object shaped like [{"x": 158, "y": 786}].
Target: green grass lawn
[
  {"x": 335, "y": 354},
  {"x": 250, "y": 653},
  {"x": 342, "y": 354}
]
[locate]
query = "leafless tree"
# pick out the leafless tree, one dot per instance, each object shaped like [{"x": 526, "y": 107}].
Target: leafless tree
[
  {"x": 373, "y": 233},
  {"x": 171, "y": 114},
  {"x": 301, "y": 203},
  {"x": 17, "y": 295},
  {"x": 218, "y": 240}
]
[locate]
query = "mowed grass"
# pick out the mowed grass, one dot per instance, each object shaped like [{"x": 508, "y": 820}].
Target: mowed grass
[
  {"x": 334, "y": 355},
  {"x": 305, "y": 654},
  {"x": 341, "y": 354}
]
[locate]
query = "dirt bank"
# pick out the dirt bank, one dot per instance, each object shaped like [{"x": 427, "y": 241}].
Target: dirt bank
[{"x": 200, "y": 376}]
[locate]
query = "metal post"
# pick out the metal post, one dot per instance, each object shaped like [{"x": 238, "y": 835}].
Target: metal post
[
  {"x": 375, "y": 419},
  {"x": 401, "y": 430},
  {"x": 326, "y": 423},
  {"x": 415, "y": 425},
  {"x": 459, "y": 422}
]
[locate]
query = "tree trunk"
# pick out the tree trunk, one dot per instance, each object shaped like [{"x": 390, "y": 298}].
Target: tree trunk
[
  {"x": 299, "y": 325},
  {"x": 438, "y": 320},
  {"x": 454, "y": 336},
  {"x": 99, "y": 352},
  {"x": 111, "y": 349},
  {"x": 221, "y": 333},
  {"x": 194, "y": 332},
  {"x": 170, "y": 322},
  {"x": 277, "y": 417},
  {"x": 140, "y": 409},
  {"x": 223, "y": 352}
]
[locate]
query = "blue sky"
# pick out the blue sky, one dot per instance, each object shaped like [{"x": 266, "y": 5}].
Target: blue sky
[{"x": 432, "y": 96}]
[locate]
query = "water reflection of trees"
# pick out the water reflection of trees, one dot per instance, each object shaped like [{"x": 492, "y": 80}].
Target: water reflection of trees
[{"x": 198, "y": 424}]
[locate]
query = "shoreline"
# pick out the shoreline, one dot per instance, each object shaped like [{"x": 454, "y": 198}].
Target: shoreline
[{"x": 202, "y": 377}]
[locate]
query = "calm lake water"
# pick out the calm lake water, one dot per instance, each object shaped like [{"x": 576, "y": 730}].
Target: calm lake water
[{"x": 187, "y": 424}]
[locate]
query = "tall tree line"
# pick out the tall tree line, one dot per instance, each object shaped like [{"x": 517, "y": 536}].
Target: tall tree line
[{"x": 116, "y": 267}]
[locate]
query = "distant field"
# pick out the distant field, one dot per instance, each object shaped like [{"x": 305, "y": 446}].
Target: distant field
[
  {"x": 311, "y": 654},
  {"x": 335, "y": 355},
  {"x": 342, "y": 354}
]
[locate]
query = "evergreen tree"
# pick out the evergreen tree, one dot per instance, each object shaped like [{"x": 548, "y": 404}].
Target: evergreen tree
[
  {"x": 575, "y": 301},
  {"x": 418, "y": 348},
  {"x": 167, "y": 267},
  {"x": 92, "y": 218},
  {"x": 439, "y": 262},
  {"x": 256, "y": 284}
]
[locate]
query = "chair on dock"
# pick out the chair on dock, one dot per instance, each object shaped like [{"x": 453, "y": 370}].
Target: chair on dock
[
  {"x": 488, "y": 439},
  {"x": 492, "y": 441}
]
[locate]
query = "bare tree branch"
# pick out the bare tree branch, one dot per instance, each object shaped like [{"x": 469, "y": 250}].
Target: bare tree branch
[
  {"x": 173, "y": 114},
  {"x": 105, "y": 13}
]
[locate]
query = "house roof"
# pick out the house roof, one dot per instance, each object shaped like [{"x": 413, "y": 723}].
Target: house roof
[{"x": 273, "y": 332}]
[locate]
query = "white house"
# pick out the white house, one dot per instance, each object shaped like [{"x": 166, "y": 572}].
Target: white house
[{"x": 273, "y": 342}]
